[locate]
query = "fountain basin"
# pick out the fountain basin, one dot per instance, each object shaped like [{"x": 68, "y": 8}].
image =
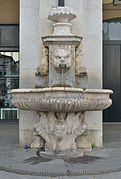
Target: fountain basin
[
  {"x": 59, "y": 113},
  {"x": 61, "y": 99}
]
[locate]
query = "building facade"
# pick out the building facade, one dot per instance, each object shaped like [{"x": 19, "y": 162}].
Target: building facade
[{"x": 9, "y": 57}]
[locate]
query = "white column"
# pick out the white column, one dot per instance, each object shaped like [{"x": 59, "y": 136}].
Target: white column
[
  {"x": 29, "y": 59},
  {"x": 92, "y": 34}
]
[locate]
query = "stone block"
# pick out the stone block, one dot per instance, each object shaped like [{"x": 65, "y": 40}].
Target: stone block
[
  {"x": 27, "y": 79},
  {"x": 93, "y": 120},
  {"x": 81, "y": 81},
  {"x": 27, "y": 120},
  {"x": 26, "y": 137},
  {"x": 95, "y": 137},
  {"x": 41, "y": 81}
]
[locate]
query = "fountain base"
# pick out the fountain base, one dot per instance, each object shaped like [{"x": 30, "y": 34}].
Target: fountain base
[
  {"x": 59, "y": 132},
  {"x": 62, "y": 155}
]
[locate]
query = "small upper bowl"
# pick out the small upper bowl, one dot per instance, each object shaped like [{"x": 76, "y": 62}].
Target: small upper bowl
[{"x": 62, "y": 14}]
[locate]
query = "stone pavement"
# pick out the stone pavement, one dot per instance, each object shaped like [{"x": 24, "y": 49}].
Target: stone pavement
[
  {"x": 6, "y": 175},
  {"x": 18, "y": 163}
]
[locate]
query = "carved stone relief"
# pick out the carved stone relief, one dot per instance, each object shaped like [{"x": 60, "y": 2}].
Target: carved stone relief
[
  {"x": 42, "y": 69},
  {"x": 80, "y": 68},
  {"x": 59, "y": 130},
  {"x": 62, "y": 56},
  {"x": 83, "y": 142}
]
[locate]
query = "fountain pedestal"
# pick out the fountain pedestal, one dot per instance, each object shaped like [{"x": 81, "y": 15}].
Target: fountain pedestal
[
  {"x": 62, "y": 45},
  {"x": 60, "y": 131}
]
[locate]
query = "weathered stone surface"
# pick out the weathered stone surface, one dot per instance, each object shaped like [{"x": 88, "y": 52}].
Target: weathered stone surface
[
  {"x": 36, "y": 144},
  {"x": 61, "y": 100},
  {"x": 62, "y": 155},
  {"x": 41, "y": 81},
  {"x": 62, "y": 14},
  {"x": 80, "y": 68},
  {"x": 60, "y": 117},
  {"x": 62, "y": 104},
  {"x": 33, "y": 17},
  {"x": 42, "y": 69},
  {"x": 62, "y": 44},
  {"x": 61, "y": 65},
  {"x": 62, "y": 55},
  {"x": 81, "y": 81},
  {"x": 83, "y": 143},
  {"x": 59, "y": 130}
]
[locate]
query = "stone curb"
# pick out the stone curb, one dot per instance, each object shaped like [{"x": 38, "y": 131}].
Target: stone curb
[{"x": 54, "y": 174}]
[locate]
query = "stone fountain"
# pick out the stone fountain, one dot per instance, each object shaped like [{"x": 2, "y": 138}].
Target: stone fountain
[{"x": 61, "y": 98}]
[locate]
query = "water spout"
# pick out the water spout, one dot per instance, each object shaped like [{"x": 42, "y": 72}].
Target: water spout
[{"x": 62, "y": 67}]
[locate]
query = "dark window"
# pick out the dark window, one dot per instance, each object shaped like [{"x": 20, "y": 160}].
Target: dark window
[
  {"x": 9, "y": 79},
  {"x": 112, "y": 29}
]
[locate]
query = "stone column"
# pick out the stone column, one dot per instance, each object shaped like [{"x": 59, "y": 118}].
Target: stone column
[
  {"x": 34, "y": 25},
  {"x": 92, "y": 49},
  {"x": 29, "y": 59},
  {"x": 89, "y": 25}
]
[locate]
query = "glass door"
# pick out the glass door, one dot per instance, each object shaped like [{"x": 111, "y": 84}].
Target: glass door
[
  {"x": 9, "y": 79},
  {"x": 112, "y": 67}
]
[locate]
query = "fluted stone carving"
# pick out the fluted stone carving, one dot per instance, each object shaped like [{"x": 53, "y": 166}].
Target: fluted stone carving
[{"x": 62, "y": 99}]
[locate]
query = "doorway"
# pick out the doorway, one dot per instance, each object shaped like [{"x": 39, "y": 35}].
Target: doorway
[
  {"x": 112, "y": 78},
  {"x": 112, "y": 68}
]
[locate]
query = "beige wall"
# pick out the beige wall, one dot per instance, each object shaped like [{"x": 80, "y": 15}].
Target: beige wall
[
  {"x": 111, "y": 11},
  {"x": 107, "y": 1},
  {"x": 9, "y": 11}
]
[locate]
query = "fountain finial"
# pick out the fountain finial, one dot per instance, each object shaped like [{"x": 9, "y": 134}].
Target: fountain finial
[{"x": 62, "y": 14}]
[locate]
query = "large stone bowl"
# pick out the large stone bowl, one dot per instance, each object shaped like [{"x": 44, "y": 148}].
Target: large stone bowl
[
  {"x": 61, "y": 99},
  {"x": 59, "y": 113}
]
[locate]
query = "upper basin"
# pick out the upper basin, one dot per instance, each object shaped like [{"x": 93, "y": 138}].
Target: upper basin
[{"x": 61, "y": 99}]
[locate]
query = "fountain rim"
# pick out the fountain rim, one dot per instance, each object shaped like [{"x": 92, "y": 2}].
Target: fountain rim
[{"x": 62, "y": 89}]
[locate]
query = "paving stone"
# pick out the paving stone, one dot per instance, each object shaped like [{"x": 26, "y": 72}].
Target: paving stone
[
  {"x": 116, "y": 175},
  {"x": 78, "y": 177},
  {"x": 6, "y": 175}
]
